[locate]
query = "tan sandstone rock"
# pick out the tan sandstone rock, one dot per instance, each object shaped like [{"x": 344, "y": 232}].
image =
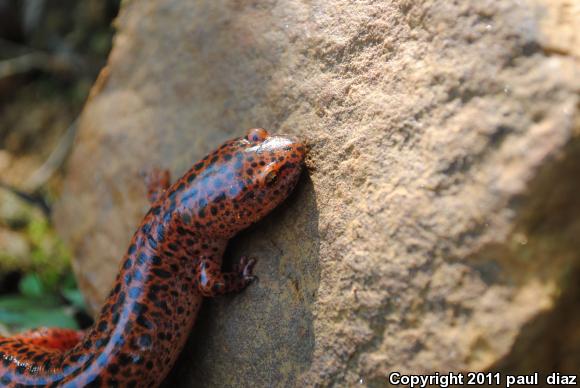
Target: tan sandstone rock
[{"x": 436, "y": 227}]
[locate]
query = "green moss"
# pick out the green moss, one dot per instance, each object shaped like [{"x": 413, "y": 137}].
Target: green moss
[{"x": 50, "y": 259}]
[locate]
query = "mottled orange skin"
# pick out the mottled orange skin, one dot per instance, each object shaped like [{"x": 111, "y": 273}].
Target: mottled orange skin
[{"x": 174, "y": 260}]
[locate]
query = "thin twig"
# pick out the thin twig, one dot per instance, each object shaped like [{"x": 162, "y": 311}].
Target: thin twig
[
  {"x": 55, "y": 160},
  {"x": 35, "y": 61},
  {"x": 33, "y": 199}
]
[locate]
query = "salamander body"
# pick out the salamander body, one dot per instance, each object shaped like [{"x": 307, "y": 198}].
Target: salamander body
[{"x": 173, "y": 261}]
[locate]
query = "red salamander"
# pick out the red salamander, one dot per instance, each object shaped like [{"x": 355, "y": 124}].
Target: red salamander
[{"x": 173, "y": 261}]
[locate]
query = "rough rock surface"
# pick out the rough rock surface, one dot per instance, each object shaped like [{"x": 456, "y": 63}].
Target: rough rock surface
[{"x": 436, "y": 227}]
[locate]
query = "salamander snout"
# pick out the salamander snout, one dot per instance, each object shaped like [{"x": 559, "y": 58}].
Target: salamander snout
[
  {"x": 277, "y": 158},
  {"x": 273, "y": 165},
  {"x": 241, "y": 182}
]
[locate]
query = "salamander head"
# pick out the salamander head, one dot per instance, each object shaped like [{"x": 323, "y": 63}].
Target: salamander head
[{"x": 242, "y": 181}]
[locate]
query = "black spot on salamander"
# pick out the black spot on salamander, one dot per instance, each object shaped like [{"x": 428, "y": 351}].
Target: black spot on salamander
[
  {"x": 146, "y": 228},
  {"x": 120, "y": 298},
  {"x": 75, "y": 357},
  {"x": 156, "y": 260},
  {"x": 161, "y": 273},
  {"x": 127, "y": 264},
  {"x": 124, "y": 359},
  {"x": 144, "y": 322},
  {"x": 152, "y": 296},
  {"x": 132, "y": 249},
  {"x": 95, "y": 382},
  {"x": 163, "y": 306},
  {"x": 139, "y": 308},
  {"x": 145, "y": 340},
  {"x": 102, "y": 327},
  {"x": 198, "y": 166},
  {"x": 113, "y": 368},
  {"x": 186, "y": 219}
]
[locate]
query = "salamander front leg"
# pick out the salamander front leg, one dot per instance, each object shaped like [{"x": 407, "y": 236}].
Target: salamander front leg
[
  {"x": 157, "y": 181},
  {"x": 211, "y": 281}
]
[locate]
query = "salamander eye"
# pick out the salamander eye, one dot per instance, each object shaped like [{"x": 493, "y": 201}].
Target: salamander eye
[
  {"x": 256, "y": 135},
  {"x": 271, "y": 178}
]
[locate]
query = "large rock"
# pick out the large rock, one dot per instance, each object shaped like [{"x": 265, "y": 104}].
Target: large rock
[{"x": 436, "y": 226}]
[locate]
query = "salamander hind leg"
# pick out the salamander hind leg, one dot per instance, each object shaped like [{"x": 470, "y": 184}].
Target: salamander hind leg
[
  {"x": 51, "y": 338},
  {"x": 211, "y": 281},
  {"x": 157, "y": 181}
]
